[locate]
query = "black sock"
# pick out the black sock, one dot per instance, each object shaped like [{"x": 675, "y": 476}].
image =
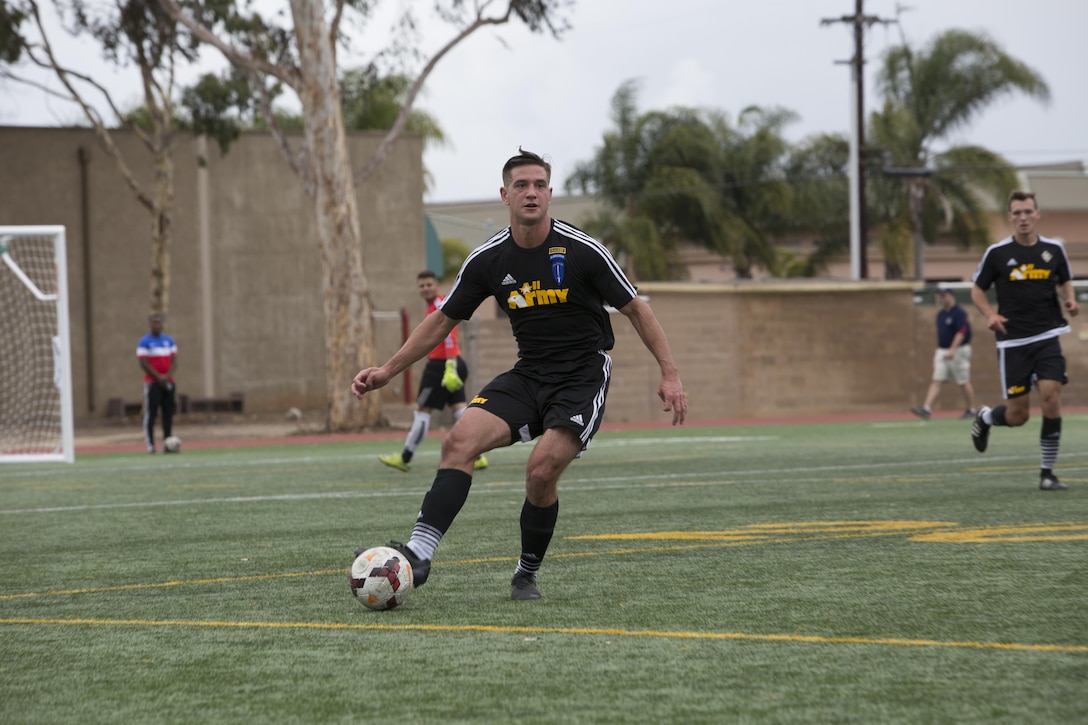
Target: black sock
[
  {"x": 537, "y": 527},
  {"x": 444, "y": 501},
  {"x": 997, "y": 415},
  {"x": 1050, "y": 438}
]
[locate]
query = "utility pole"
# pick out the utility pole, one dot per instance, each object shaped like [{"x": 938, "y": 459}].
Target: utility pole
[{"x": 859, "y": 241}]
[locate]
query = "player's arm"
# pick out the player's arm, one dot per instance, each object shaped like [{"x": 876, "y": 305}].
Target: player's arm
[
  {"x": 994, "y": 321},
  {"x": 423, "y": 339},
  {"x": 670, "y": 390},
  {"x": 1069, "y": 297}
]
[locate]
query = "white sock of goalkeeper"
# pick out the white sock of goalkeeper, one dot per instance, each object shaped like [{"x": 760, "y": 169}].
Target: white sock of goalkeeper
[{"x": 421, "y": 423}]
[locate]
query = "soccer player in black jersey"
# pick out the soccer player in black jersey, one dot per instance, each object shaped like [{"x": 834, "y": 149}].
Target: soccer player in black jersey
[
  {"x": 1031, "y": 273},
  {"x": 554, "y": 281}
]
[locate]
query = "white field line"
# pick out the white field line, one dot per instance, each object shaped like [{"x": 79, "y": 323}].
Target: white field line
[{"x": 570, "y": 485}]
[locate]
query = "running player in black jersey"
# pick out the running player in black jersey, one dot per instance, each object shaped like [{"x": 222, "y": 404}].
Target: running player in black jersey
[
  {"x": 1031, "y": 273},
  {"x": 554, "y": 281}
]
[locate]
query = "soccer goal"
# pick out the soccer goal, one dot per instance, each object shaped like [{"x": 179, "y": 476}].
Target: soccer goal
[{"x": 35, "y": 361}]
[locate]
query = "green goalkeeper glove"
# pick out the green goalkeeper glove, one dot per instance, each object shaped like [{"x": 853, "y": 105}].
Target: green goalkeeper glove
[{"x": 451, "y": 381}]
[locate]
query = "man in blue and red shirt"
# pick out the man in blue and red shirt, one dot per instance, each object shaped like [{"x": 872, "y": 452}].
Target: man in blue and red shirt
[{"x": 157, "y": 353}]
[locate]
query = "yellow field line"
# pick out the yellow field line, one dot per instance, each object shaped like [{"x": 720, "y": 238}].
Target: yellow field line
[{"x": 590, "y": 631}]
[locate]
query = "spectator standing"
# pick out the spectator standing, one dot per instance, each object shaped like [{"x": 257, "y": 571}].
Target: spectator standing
[
  {"x": 157, "y": 354},
  {"x": 952, "y": 359}
]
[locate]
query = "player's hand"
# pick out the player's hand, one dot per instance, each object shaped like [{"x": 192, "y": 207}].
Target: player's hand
[
  {"x": 672, "y": 395},
  {"x": 997, "y": 322},
  {"x": 451, "y": 381},
  {"x": 1072, "y": 307},
  {"x": 368, "y": 380}
]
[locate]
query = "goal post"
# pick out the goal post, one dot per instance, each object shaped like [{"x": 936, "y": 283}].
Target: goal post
[{"x": 36, "y": 418}]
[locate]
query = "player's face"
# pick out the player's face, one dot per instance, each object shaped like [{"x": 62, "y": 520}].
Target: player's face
[
  {"x": 428, "y": 288},
  {"x": 1023, "y": 216},
  {"x": 528, "y": 194}
]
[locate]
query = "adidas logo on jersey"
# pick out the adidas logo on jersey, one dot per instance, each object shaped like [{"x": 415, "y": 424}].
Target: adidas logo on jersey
[
  {"x": 508, "y": 280},
  {"x": 1013, "y": 263}
]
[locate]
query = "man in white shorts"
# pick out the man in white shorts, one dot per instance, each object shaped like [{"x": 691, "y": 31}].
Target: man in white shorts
[{"x": 952, "y": 359}]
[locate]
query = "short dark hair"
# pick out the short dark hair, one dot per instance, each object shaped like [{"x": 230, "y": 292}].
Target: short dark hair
[
  {"x": 1021, "y": 195},
  {"x": 425, "y": 274},
  {"x": 524, "y": 158}
]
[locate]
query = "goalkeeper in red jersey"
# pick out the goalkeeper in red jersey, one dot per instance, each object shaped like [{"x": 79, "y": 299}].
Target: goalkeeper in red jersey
[{"x": 442, "y": 384}]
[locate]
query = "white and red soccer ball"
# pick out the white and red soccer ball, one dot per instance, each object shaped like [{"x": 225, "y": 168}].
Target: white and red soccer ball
[{"x": 381, "y": 578}]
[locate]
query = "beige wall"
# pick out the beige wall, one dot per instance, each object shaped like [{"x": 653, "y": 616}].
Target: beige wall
[{"x": 265, "y": 334}]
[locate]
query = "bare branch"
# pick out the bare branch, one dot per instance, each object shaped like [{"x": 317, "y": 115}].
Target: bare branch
[
  {"x": 296, "y": 160},
  {"x": 50, "y": 63},
  {"x": 235, "y": 55},
  {"x": 92, "y": 115},
  {"x": 406, "y": 109},
  {"x": 334, "y": 28}
]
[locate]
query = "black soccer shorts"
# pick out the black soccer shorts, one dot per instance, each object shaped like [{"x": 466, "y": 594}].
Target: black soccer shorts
[
  {"x": 532, "y": 399},
  {"x": 1021, "y": 366},
  {"x": 431, "y": 393}
]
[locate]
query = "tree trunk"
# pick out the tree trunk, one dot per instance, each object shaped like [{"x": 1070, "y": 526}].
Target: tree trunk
[
  {"x": 162, "y": 218},
  {"x": 348, "y": 325}
]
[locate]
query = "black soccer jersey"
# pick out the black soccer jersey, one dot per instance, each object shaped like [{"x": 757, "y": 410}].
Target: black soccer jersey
[
  {"x": 1027, "y": 279},
  {"x": 554, "y": 294}
]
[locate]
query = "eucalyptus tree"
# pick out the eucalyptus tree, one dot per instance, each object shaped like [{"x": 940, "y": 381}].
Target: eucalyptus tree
[
  {"x": 131, "y": 33},
  {"x": 298, "y": 54},
  {"x": 929, "y": 94}
]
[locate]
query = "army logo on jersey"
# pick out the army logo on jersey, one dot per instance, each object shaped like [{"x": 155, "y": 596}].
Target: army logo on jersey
[
  {"x": 1028, "y": 271},
  {"x": 558, "y": 257},
  {"x": 531, "y": 294}
]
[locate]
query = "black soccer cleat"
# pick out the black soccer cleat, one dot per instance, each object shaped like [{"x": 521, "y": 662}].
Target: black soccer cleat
[
  {"x": 421, "y": 568},
  {"x": 1050, "y": 482},
  {"x": 980, "y": 431},
  {"x": 523, "y": 587}
]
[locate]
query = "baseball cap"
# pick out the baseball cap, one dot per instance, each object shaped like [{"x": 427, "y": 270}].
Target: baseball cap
[{"x": 945, "y": 288}]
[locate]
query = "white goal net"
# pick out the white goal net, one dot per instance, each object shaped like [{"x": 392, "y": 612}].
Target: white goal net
[{"x": 35, "y": 361}]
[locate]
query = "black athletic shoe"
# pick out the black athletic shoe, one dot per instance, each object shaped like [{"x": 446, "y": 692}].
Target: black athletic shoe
[
  {"x": 1050, "y": 482},
  {"x": 920, "y": 412},
  {"x": 523, "y": 587},
  {"x": 421, "y": 568},
  {"x": 980, "y": 431}
]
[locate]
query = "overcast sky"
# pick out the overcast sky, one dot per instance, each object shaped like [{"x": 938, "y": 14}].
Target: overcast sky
[{"x": 507, "y": 87}]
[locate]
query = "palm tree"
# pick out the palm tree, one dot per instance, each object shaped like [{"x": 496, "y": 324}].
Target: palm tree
[
  {"x": 621, "y": 174},
  {"x": 929, "y": 94},
  {"x": 688, "y": 174}
]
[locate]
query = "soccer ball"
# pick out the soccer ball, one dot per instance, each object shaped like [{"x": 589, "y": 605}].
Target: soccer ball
[
  {"x": 381, "y": 578},
  {"x": 172, "y": 444}
]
